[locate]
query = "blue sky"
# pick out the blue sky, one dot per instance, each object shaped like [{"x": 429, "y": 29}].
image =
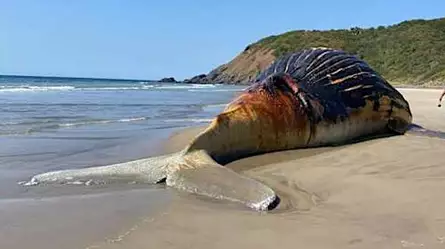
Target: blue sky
[{"x": 152, "y": 39}]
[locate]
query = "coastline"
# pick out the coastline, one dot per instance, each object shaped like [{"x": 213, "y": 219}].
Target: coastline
[{"x": 382, "y": 193}]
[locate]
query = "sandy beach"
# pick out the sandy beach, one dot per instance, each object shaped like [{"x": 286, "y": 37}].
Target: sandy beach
[{"x": 383, "y": 193}]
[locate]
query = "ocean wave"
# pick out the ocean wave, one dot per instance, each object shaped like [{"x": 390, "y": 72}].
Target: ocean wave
[
  {"x": 216, "y": 105},
  {"x": 215, "y": 90},
  {"x": 168, "y": 123},
  {"x": 31, "y": 88},
  {"x": 188, "y": 86},
  {"x": 124, "y": 120},
  {"x": 9, "y": 105},
  {"x": 32, "y": 127},
  {"x": 35, "y": 88},
  {"x": 193, "y": 120},
  {"x": 116, "y": 88},
  {"x": 107, "y": 88}
]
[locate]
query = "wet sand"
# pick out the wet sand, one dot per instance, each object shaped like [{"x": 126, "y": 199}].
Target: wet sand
[
  {"x": 72, "y": 217},
  {"x": 382, "y": 193}
]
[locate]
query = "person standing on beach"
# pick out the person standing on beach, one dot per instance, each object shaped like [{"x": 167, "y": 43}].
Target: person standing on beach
[{"x": 441, "y": 97}]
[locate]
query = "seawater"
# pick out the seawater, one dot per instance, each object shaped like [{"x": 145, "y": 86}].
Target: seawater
[
  {"x": 59, "y": 123},
  {"x": 56, "y": 123},
  {"x": 32, "y": 105}
]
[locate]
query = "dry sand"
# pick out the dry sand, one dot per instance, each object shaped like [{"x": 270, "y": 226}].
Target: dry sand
[{"x": 383, "y": 193}]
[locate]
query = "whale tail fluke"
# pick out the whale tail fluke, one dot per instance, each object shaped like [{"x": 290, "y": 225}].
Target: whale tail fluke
[{"x": 201, "y": 175}]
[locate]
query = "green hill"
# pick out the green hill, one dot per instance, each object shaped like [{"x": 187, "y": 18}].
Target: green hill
[{"x": 411, "y": 52}]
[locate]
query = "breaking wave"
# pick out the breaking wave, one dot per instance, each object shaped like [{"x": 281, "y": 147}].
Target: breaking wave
[
  {"x": 35, "y": 88},
  {"x": 215, "y": 90},
  {"x": 27, "y": 127},
  {"x": 93, "y": 87},
  {"x": 192, "y": 120},
  {"x": 124, "y": 120}
]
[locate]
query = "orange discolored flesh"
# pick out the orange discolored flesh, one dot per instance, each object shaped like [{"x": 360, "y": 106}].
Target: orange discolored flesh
[{"x": 257, "y": 121}]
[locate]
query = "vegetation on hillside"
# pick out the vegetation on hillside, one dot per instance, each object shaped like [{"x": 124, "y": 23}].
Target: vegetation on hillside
[{"x": 411, "y": 52}]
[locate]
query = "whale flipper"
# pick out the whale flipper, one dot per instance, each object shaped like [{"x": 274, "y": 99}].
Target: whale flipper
[{"x": 222, "y": 183}]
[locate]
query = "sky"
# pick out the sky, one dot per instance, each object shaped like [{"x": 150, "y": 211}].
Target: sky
[{"x": 152, "y": 39}]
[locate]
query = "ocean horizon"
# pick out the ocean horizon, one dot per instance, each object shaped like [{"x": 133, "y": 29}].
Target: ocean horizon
[{"x": 53, "y": 77}]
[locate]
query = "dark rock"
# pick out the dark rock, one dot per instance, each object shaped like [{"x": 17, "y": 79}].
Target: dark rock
[
  {"x": 169, "y": 79},
  {"x": 218, "y": 75},
  {"x": 198, "y": 79}
]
